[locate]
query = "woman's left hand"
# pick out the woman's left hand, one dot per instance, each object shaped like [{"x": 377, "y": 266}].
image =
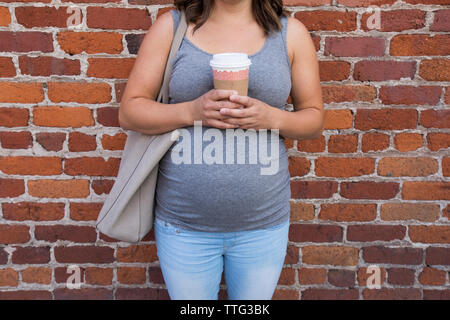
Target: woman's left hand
[{"x": 255, "y": 114}]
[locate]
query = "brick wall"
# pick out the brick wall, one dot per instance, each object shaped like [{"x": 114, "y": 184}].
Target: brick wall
[{"x": 373, "y": 190}]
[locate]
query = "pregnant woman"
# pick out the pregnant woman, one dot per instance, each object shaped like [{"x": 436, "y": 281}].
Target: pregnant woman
[{"x": 224, "y": 216}]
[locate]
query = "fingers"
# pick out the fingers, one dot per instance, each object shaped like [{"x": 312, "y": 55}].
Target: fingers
[
  {"x": 218, "y": 94},
  {"x": 221, "y": 124},
  {"x": 236, "y": 113},
  {"x": 243, "y": 100}
]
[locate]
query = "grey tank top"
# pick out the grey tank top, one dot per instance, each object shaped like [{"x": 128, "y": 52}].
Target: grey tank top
[{"x": 209, "y": 179}]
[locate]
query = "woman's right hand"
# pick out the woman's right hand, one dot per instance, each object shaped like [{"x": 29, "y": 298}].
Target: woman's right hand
[{"x": 206, "y": 108}]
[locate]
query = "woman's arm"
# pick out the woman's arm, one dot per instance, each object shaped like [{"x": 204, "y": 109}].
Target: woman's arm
[
  {"x": 138, "y": 109},
  {"x": 307, "y": 121}
]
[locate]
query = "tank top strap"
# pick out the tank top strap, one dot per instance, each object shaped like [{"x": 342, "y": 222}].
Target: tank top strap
[{"x": 176, "y": 19}]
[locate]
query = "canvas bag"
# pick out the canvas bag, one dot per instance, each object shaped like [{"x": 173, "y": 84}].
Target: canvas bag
[{"x": 128, "y": 212}]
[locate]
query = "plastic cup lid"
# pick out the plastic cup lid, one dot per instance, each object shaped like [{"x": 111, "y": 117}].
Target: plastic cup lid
[{"x": 230, "y": 60}]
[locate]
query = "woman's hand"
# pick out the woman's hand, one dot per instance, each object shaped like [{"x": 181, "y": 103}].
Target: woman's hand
[
  {"x": 255, "y": 114},
  {"x": 206, "y": 108}
]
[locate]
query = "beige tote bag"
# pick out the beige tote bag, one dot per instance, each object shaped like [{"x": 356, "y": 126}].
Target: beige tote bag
[{"x": 128, "y": 211}]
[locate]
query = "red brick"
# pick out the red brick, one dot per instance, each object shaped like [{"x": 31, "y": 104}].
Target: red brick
[
  {"x": 81, "y": 92},
  {"x": 14, "y": 233},
  {"x": 131, "y": 275},
  {"x": 17, "y": 92},
  {"x": 137, "y": 253},
  {"x": 287, "y": 276},
  {"x": 437, "y": 255},
  {"x": 43, "y": 17},
  {"x": 374, "y": 141},
  {"x": 420, "y": 45},
  {"x": 435, "y": 70},
  {"x": 386, "y": 119},
  {"x": 330, "y": 255},
  {"x": 312, "y": 145},
  {"x": 141, "y": 294},
  {"x": 364, "y": 3},
  {"x": 14, "y": 117},
  {"x": 68, "y": 188},
  {"x": 438, "y": 140},
  {"x": 31, "y": 255},
  {"x": 83, "y": 294},
  {"x": 364, "y": 274},
  {"x": 343, "y": 93},
  {"x": 329, "y": 294},
  {"x": 16, "y": 140},
  {"x": 406, "y": 141},
  {"x": 84, "y": 254},
  {"x": 37, "y": 275},
  {"x": 402, "y": 255},
  {"x": 441, "y": 20},
  {"x": 118, "y": 18},
  {"x": 92, "y": 166},
  {"x": 155, "y": 275},
  {"x": 426, "y": 212},
  {"x": 435, "y": 118},
  {"x": 26, "y": 295},
  {"x": 343, "y": 143},
  {"x": 341, "y": 278},
  {"x": 446, "y": 166},
  {"x": 84, "y": 211},
  {"x": 426, "y": 190},
  {"x": 102, "y": 186},
  {"x": 397, "y": 20},
  {"x": 55, "y": 116},
  {"x": 47, "y": 66},
  {"x": 338, "y": 119},
  {"x": 369, "y": 190},
  {"x": 327, "y": 20},
  {"x": 79, "y": 142},
  {"x": 301, "y": 211},
  {"x": 110, "y": 68},
  {"x": 29, "y": 165},
  {"x": 11, "y": 187},
  {"x": 117, "y": 141},
  {"x": 26, "y": 41},
  {"x": 298, "y": 166},
  {"x": 7, "y": 68},
  {"x": 99, "y": 276},
  {"x": 312, "y": 189},
  {"x": 285, "y": 294},
  {"x": 401, "y": 276},
  {"x": 348, "y": 212},
  {"x": 391, "y": 294},
  {"x": 429, "y": 234},
  {"x": 365, "y": 233},
  {"x": 51, "y": 141},
  {"x": 432, "y": 277},
  {"x": 315, "y": 233},
  {"x": 344, "y": 167},
  {"x": 72, "y": 42},
  {"x": 407, "y": 166},
  {"x": 9, "y": 277},
  {"x": 436, "y": 294},
  {"x": 381, "y": 70},
  {"x": 354, "y": 46},
  {"x": 334, "y": 70},
  {"x": 410, "y": 95},
  {"x": 108, "y": 116},
  {"x": 35, "y": 211},
  {"x": 70, "y": 233},
  {"x": 311, "y": 275}
]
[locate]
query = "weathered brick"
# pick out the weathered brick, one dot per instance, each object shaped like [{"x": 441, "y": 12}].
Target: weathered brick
[
  {"x": 55, "y": 116},
  {"x": 426, "y": 190},
  {"x": 341, "y": 278},
  {"x": 366, "y": 233},
  {"x": 338, "y": 119},
  {"x": 343, "y": 143},
  {"x": 374, "y": 141},
  {"x": 381, "y": 70},
  {"x": 35, "y": 211},
  {"x": 432, "y": 277},
  {"x": 329, "y": 294},
  {"x": 386, "y": 119},
  {"x": 31, "y": 255},
  {"x": 312, "y": 189},
  {"x": 441, "y": 19},
  {"x": 403, "y": 255},
  {"x": 99, "y": 276},
  {"x": 435, "y": 118},
  {"x": 326, "y": 20},
  {"x": 438, "y": 140},
  {"x": 401, "y": 276},
  {"x": 315, "y": 233},
  {"x": 332, "y": 255},
  {"x": 406, "y": 141},
  {"x": 72, "y": 42},
  {"x": 369, "y": 190},
  {"x": 435, "y": 69},
  {"x": 397, "y": 20},
  {"x": 429, "y": 234},
  {"x": 16, "y": 140},
  {"x": 137, "y": 253},
  {"x": 68, "y": 188},
  {"x": 426, "y": 212},
  {"x": 14, "y": 117},
  {"x": 437, "y": 255},
  {"x": 131, "y": 275},
  {"x": 84, "y": 254},
  {"x": 29, "y": 165},
  {"x": 118, "y": 18},
  {"x": 110, "y": 68},
  {"x": 14, "y": 233},
  {"x": 345, "y": 93},
  {"x": 312, "y": 275},
  {"x": 354, "y": 46},
  {"x": 298, "y": 166},
  {"x": 410, "y": 95},
  {"x": 39, "y": 275},
  {"x": 344, "y": 167},
  {"x": 81, "y": 92},
  {"x": 70, "y": 233},
  {"x": 334, "y": 70},
  {"x": 79, "y": 142},
  {"x": 92, "y": 166},
  {"x": 410, "y": 166},
  {"x": 348, "y": 212},
  {"x": 420, "y": 45}
]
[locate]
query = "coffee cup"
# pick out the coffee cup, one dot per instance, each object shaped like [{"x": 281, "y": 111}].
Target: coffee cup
[{"x": 230, "y": 71}]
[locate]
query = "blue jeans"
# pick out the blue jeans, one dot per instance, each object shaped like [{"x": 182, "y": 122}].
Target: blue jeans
[{"x": 192, "y": 261}]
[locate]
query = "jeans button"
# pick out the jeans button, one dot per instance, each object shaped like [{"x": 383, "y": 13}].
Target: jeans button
[{"x": 165, "y": 223}]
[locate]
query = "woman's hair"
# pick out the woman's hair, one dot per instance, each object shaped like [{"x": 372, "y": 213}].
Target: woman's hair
[{"x": 266, "y": 12}]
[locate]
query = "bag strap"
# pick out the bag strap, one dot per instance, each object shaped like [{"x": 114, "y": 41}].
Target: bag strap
[{"x": 163, "y": 95}]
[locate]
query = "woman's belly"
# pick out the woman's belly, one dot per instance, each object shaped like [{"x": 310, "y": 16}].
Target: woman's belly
[{"x": 247, "y": 186}]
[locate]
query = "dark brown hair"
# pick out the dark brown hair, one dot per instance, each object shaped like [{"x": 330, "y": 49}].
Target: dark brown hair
[{"x": 266, "y": 12}]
